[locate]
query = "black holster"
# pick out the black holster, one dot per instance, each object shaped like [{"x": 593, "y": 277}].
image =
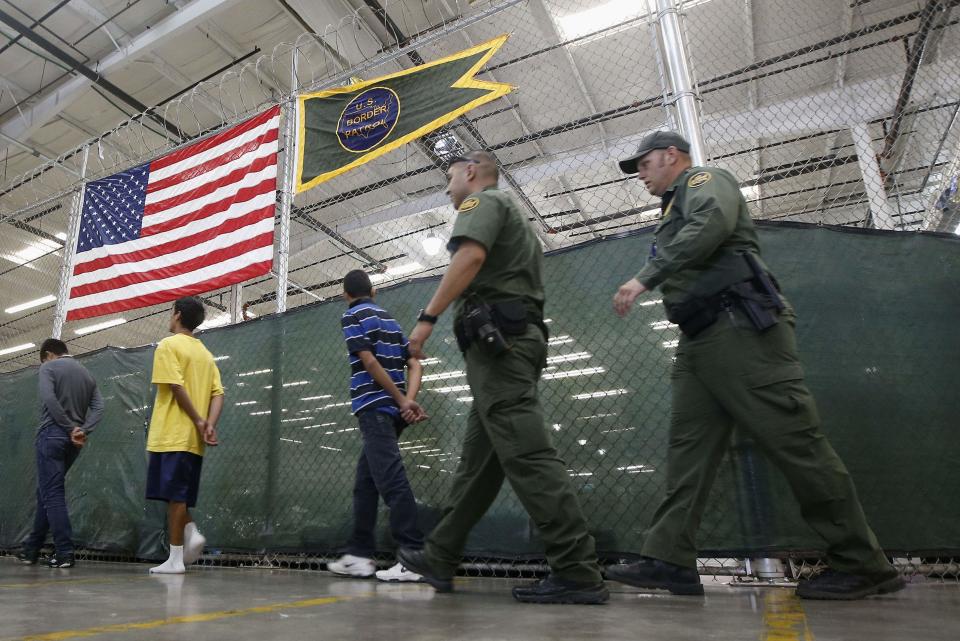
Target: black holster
[
  {"x": 488, "y": 325},
  {"x": 695, "y": 314}
]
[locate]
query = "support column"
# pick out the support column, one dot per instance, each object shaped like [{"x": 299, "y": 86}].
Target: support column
[
  {"x": 681, "y": 80},
  {"x": 881, "y": 212},
  {"x": 70, "y": 249},
  {"x": 236, "y": 304},
  {"x": 287, "y": 187}
]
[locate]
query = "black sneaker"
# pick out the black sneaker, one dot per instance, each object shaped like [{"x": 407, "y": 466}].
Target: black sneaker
[
  {"x": 60, "y": 561},
  {"x": 658, "y": 575},
  {"x": 416, "y": 561},
  {"x": 29, "y": 557},
  {"x": 553, "y": 589},
  {"x": 840, "y": 586}
]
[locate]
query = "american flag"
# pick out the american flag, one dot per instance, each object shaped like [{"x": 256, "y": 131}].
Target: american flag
[{"x": 195, "y": 220}]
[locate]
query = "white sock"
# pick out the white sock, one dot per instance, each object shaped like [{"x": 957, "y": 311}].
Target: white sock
[{"x": 173, "y": 565}]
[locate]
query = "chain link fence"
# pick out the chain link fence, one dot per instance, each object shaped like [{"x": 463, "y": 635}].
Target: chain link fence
[{"x": 805, "y": 104}]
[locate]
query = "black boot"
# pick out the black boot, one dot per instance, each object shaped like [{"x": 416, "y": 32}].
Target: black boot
[
  {"x": 659, "y": 575},
  {"x": 553, "y": 589},
  {"x": 840, "y": 586},
  {"x": 416, "y": 561}
]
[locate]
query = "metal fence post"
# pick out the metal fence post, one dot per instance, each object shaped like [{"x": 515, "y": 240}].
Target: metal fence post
[
  {"x": 287, "y": 187},
  {"x": 70, "y": 249},
  {"x": 677, "y": 63}
]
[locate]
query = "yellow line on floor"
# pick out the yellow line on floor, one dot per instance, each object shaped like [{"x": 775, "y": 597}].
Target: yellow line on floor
[
  {"x": 783, "y": 617},
  {"x": 193, "y": 618}
]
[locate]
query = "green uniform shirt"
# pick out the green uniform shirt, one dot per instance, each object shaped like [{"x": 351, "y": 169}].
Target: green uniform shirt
[
  {"x": 514, "y": 264},
  {"x": 705, "y": 225}
]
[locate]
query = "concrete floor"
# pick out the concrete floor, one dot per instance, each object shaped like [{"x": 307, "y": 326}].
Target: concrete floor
[{"x": 121, "y": 602}]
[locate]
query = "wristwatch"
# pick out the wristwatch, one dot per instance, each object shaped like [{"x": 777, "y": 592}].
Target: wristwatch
[{"x": 424, "y": 317}]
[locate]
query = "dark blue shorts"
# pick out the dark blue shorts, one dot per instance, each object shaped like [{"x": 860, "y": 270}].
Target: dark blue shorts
[{"x": 174, "y": 476}]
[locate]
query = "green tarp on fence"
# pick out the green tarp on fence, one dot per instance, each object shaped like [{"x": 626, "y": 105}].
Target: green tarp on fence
[{"x": 878, "y": 315}]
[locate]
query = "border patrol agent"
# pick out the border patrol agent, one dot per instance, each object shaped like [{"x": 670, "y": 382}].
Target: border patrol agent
[
  {"x": 495, "y": 276},
  {"x": 736, "y": 363}
]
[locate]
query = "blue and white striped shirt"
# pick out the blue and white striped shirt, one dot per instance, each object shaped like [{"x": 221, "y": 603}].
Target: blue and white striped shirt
[{"x": 368, "y": 327}]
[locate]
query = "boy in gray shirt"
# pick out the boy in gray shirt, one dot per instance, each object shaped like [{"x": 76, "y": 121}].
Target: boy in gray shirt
[{"x": 70, "y": 407}]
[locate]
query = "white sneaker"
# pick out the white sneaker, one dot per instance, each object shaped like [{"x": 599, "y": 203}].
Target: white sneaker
[
  {"x": 193, "y": 547},
  {"x": 349, "y": 565},
  {"x": 398, "y": 573}
]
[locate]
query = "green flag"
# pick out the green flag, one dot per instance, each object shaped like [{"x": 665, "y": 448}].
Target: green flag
[{"x": 342, "y": 128}]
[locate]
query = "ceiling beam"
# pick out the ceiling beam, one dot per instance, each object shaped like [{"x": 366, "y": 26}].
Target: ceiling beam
[{"x": 47, "y": 108}]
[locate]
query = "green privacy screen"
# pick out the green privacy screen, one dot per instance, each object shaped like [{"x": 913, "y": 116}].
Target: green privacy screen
[{"x": 877, "y": 328}]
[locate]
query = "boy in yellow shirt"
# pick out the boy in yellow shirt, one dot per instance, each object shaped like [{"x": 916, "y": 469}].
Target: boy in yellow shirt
[{"x": 185, "y": 413}]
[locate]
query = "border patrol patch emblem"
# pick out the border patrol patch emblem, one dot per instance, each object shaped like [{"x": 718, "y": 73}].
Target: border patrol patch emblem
[
  {"x": 698, "y": 179},
  {"x": 468, "y": 204}
]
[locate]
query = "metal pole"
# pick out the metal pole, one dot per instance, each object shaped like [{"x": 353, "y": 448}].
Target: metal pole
[
  {"x": 684, "y": 96},
  {"x": 236, "y": 304},
  {"x": 287, "y": 188},
  {"x": 70, "y": 249}
]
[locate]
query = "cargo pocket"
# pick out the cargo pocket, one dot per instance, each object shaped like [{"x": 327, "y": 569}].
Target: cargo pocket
[{"x": 778, "y": 386}]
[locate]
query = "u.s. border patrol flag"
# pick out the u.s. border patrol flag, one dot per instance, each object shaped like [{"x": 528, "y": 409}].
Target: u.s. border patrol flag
[{"x": 345, "y": 127}]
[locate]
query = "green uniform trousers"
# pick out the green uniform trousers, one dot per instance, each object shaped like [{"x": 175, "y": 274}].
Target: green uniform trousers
[
  {"x": 506, "y": 436},
  {"x": 731, "y": 374}
]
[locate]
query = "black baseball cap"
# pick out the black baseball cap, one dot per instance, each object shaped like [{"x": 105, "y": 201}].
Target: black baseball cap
[{"x": 654, "y": 140}]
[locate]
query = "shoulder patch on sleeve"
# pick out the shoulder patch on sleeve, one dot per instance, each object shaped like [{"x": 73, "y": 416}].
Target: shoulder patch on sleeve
[
  {"x": 468, "y": 204},
  {"x": 699, "y": 178}
]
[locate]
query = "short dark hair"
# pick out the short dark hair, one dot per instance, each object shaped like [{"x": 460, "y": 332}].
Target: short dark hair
[
  {"x": 53, "y": 346},
  {"x": 357, "y": 284},
  {"x": 191, "y": 311}
]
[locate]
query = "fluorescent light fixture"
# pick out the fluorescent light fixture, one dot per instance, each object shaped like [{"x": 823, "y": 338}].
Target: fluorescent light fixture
[
  {"x": 443, "y": 375},
  {"x": 581, "y": 474},
  {"x": 406, "y": 268},
  {"x": 325, "y": 447},
  {"x": 291, "y": 384},
  {"x": 31, "y": 303},
  {"x": 648, "y": 303},
  {"x": 294, "y": 420},
  {"x": 430, "y": 361},
  {"x": 662, "y": 325},
  {"x": 750, "y": 192},
  {"x": 573, "y": 373},
  {"x": 557, "y": 427},
  {"x": 582, "y": 441},
  {"x": 254, "y": 372},
  {"x": 261, "y": 413},
  {"x": 80, "y": 331},
  {"x": 566, "y": 358},
  {"x": 465, "y": 399},
  {"x": 608, "y": 14},
  {"x": 670, "y": 344},
  {"x": 291, "y": 440},
  {"x": 32, "y": 251},
  {"x": 245, "y": 403},
  {"x": 432, "y": 244},
  {"x": 609, "y": 392},
  {"x": 310, "y": 427},
  {"x": 329, "y": 405},
  {"x": 560, "y": 340},
  {"x": 221, "y": 358},
  {"x": 16, "y": 348},
  {"x": 451, "y": 388},
  {"x": 316, "y": 398}
]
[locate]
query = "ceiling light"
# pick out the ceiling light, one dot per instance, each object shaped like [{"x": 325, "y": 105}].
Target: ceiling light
[
  {"x": 406, "y": 268},
  {"x": 30, "y": 303},
  {"x": 608, "y": 14},
  {"x": 432, "y": 244},
  {"x": 16, "y": 348},
  {"x": 104, "y": 325}
]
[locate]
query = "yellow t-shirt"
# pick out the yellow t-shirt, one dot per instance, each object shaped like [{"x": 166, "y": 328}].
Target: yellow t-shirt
[{"x": 181, "y": 360}]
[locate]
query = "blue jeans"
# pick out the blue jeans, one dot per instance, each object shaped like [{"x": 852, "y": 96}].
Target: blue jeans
[
  {"x": 55, "y": 456},
  {"x": 380, "y": 472}
]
